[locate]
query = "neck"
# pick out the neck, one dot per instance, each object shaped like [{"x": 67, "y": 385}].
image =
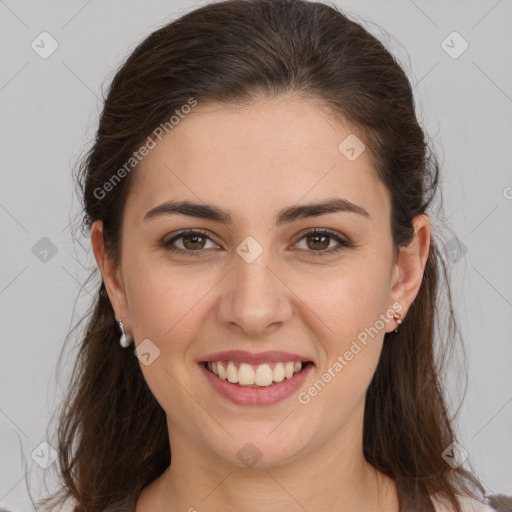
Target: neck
[{"x": 333, "y": 476}]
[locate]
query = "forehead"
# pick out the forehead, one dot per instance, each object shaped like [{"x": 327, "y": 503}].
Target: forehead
[{"x": 268, "y": 154}]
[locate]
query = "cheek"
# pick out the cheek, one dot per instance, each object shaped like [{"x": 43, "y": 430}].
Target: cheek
[
  {"x": 351, "y": 300},
  {"x": 164, "y": 307},
  {"x": 350, "y": 306},
  {"x": 158, "y": 298}
]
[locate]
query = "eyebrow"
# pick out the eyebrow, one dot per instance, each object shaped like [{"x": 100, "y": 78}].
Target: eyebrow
[{"x": 286, "y": 215}]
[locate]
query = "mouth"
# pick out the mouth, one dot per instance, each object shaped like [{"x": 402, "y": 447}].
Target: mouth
[{"x": 255, "y": 375}]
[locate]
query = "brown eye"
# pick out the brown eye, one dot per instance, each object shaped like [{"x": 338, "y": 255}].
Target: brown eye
[
  {"x": 317, "y": 242},
  {"x": 192, "y": 242}
]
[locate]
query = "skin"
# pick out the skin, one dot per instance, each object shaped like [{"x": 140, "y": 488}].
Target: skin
[{"x": 254, "y": 161}]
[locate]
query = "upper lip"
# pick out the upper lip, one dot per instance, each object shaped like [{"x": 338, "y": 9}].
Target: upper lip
[{"x": 243, "y": 356}]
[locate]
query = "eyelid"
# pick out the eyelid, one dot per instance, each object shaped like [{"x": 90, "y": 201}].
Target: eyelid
[
  {"x": 331, "y": 232},
  {"x": 166, "y": 241}
]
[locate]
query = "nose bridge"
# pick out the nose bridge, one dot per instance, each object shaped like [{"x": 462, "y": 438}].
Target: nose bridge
[{"x": 255, "y": 299}]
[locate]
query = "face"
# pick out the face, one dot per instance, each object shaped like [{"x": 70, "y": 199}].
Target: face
[{"x": 263, "y": 282}]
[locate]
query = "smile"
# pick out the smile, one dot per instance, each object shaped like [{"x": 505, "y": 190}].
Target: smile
[
  {"x": 254, "y": 375},
  {"x": 251, "y": 393}
]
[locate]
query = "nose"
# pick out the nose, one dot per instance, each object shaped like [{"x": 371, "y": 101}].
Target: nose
[{"x": 256, "y": 301}]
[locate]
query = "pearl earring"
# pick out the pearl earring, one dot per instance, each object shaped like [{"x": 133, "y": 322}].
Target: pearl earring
[{"x": 126, "y": 339}]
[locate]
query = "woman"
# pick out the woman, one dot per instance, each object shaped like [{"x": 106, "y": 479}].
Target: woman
[{"x": 263, "y": 335}]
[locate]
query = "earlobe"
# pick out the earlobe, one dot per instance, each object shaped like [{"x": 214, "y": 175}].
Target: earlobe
[{"x": 411, "y": 264}]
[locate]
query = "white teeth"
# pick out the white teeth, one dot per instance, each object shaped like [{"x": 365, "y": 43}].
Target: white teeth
[
  {"x": 232, "y": 373},
  {"x": 247, "y": 375},
  {"x": 221, "y": 371},
  {"x": 288, "y": 370},
  {"x": 263, "y": 375},
  {"x": 278, "y": 373}
]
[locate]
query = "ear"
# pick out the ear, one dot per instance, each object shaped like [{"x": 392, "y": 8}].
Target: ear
[
  {"x": 410, "y": 265},
  {"x": 111, "y": 274}
]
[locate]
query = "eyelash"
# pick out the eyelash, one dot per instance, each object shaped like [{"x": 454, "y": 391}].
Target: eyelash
[{"x": 313, "y": 254}]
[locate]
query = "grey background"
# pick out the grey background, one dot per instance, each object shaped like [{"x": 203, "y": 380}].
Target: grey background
[{"x": 49, "y": 110}]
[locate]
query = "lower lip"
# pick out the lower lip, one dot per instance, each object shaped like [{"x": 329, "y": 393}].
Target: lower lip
[{"x": 257, "y": 396}]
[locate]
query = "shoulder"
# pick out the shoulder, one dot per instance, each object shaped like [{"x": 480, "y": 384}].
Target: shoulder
[{"x": 467, "y": 505}]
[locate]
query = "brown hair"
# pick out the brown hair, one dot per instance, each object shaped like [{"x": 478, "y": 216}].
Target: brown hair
[{"x": 112, "y": 434}]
